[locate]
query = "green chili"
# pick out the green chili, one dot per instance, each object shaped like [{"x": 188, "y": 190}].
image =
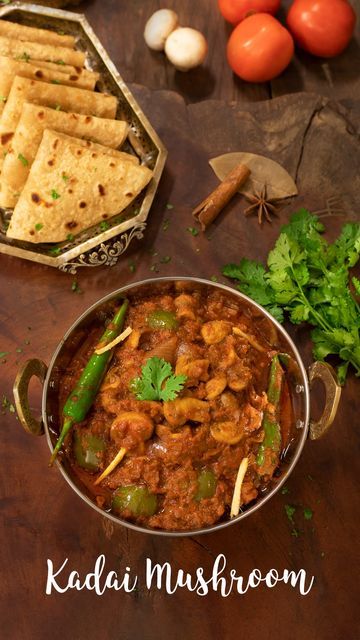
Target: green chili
[
  {"x": 86, "y": 388},
  {"x": 271, "y": 426}
]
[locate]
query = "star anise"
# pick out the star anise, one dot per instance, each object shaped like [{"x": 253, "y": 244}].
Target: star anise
[{"x": 264, "y": 206}]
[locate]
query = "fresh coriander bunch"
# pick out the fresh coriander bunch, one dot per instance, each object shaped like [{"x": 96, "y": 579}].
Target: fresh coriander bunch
[{"x": 308, "y": 278}]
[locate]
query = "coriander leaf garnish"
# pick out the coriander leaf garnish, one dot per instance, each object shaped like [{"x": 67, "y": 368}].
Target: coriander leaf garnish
[
  {"x": 24, "y": 56},
  {"x": 55, "y": 82},
  {"x": 65, "y": 177},
  {"x": 194, "y": 232},
  {"x": 23, "y": 160},
  {"x": 309, "y": 279},
  {"x": 104, "y": 226},
  {"x": 54, "y": 194},
  {"x": 308, "y": 514},
  {"x": 157, "y": 381},
  {"x": 3, "y": 99},
  {"x": 38, "y": 226}
]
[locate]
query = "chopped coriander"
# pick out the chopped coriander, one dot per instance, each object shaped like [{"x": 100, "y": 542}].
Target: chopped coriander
[
  {"x": 38, "y": 226},
  {"x": 214, "y": 278},
  {"x": 6, "y": 1},
  {"x": 65, "y": 177},
  {"x": 70, "y": 237},
  {"x": 57, "y": 107},
  {"x": 295, "y": 532},
  {"x": 19, "y": 350},
  {"x": 55, "y": 82},
  {"x": 54, "y": 194},
  {"x": 285, "y": 491},
  {"x": 3, "y": 354},
  {"x": 104, "y": 225},
  {"x": 75, "y": 287},
  {"x": 3, "y": 99},
  {"x": 55, "y": 251},
  {"x": 6, "y": 404},
  {"x": 194, "y": 232},
  {"x": 23, "y": 160},
  {"x": 308, "y": 514},
  {"x": 59, "y": 62},
  {"x": 165, "y": 259},
  {"x": 169, "y": 206},
  {"x": 132, "y": 266},
  {"x": 290, "y": 511},
  {"x": 24, "y": 56},
  {"x": 166, "y": 225},
  {"x": 155, "y": 268}
]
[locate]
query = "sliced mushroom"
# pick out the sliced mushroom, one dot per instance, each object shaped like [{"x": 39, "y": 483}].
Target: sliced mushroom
[
  {"x": 195, "y": 370},
  {"x": 181, "y": 410},
  {"x": 229, "y": 431},
  {"x": 215, "y": 330},
  {"x": 215, "y": 386},
  {"x": 131, "y": 428}
]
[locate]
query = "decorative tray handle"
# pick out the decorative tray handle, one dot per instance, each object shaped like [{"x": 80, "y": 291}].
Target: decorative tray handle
[
  {"x": 324, "y": 372},
  {"x": 31, "y": 368}
]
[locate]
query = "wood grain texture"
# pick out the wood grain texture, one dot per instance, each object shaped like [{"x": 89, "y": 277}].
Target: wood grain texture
[
  {"x": 120, "y": 26},
  {"x": 317, "y": 140}
]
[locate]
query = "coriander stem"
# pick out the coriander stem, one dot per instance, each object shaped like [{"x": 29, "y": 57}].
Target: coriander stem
[{"x": 316, "y": 315}]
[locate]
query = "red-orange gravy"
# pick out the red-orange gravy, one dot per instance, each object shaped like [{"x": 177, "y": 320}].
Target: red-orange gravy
[{"x": 224, "y": 348}]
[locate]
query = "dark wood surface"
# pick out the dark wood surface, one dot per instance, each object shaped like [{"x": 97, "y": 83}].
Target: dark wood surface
[{"x": 317, "y": 140}]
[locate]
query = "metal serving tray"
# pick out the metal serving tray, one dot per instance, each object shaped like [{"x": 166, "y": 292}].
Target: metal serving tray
[{"x": 94, "y": 246}]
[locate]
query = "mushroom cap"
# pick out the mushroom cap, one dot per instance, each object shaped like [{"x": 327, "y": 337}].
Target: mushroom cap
[
  {"x": 186, "y": 48},
  {"x": 158, "y": 28}
]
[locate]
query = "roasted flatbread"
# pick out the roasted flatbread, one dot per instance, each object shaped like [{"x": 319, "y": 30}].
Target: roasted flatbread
[
  {"x": 10, "y": 68},
  {"x": 65, "y": 68},
  {"x": 28, "y": 134},
  {"x": 33, "y": 34},
  {"x": 27, "y": 51},
  {"x": 71, "y": 188},
  {"x": 50, "y": 95}
]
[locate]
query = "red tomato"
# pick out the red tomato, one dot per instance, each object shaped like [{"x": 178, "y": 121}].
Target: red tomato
[
  {"x": 322, "y": 27},
  {"x": 259, "y": 48},
  {"x": 236, "y": 10}
]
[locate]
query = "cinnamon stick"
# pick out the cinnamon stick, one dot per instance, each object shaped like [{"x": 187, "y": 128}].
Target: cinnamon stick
[{"x": 208, "y": 210}]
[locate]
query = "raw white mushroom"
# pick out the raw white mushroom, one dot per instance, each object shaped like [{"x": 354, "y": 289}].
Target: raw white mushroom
[
  {"x": 186, "y": 48},
  {"x": 159, "y": 27}
]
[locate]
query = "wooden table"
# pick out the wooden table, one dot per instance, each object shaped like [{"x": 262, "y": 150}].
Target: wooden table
[{"x": 41, "y": 516}]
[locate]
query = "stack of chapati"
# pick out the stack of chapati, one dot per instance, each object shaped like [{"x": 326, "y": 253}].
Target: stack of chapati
[{"x": 61, "y": 168}]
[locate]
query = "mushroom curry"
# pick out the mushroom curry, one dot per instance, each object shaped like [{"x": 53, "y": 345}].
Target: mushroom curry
[{"x": 193, "y": 414}]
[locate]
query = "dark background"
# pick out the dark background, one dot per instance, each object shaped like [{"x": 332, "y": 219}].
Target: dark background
[{"x": 315, "y": 138}]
